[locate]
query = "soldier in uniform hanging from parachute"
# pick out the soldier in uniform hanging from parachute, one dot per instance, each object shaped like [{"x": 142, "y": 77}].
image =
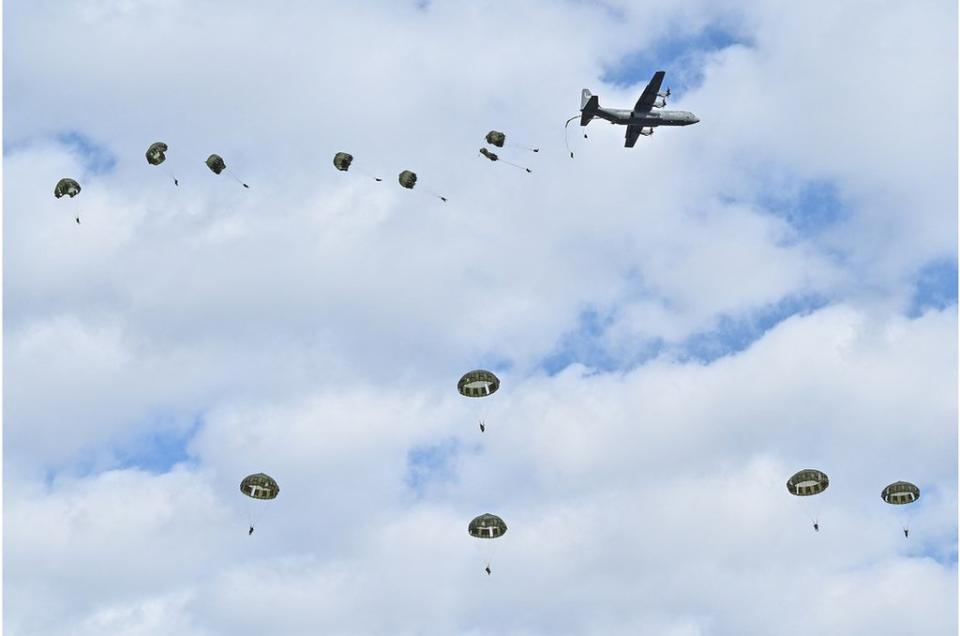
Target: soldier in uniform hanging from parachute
[
  {"x": 216, "y": 164},
  {"x": 70, "y": 188},
  {"x": 156, "y": 155}
]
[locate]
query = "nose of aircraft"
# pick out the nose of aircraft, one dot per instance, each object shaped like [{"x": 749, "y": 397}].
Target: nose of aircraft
[{"x": 694, "y": 119}]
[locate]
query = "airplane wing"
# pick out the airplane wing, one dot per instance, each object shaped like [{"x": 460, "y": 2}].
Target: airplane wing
[
  {"x": 633, "y": 133},
  {"x": 649, "y": 96}
]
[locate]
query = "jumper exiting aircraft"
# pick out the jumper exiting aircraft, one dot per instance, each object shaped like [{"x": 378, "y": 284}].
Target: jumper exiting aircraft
[{"x": 642, "y": 119}]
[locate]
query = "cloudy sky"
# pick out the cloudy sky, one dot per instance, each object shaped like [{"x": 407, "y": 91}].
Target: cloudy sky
[{"x": 678, "y": 327}]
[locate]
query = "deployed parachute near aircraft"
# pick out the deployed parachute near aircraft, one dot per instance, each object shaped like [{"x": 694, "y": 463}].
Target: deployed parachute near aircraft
[
  {"x": 258, "y": 486},
  {"x": 808, "y": 482},
  {"x": 408, "y": 179},
  {"x": 343, "y": 160},
  {"x": 216, "y": 164},
  {"x": 492, "y": 156},
  {"x": 497, "y": 138},
  {"x": 70, "y": 188},
  {"x": 900, "y": 493},
  {"x": 487, "y": 526},
  {"x": 478, "y": 383},
  {"x": 156, "y": 155}
]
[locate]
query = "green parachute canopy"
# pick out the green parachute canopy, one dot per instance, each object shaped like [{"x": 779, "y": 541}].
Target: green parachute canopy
[
  {"x": 489, "y": 155},
  {"x": 342, "y": 161},
  {"x": 478, "y": 383},
  {"x": 408, "y": 179},
  {"x": 259, "y": 486},
  {"x": 215, "y": 163},
  {"x": 900, "y": 492},
  {"x": 155, "y": 154},
  {"x": 808, "y": 482},
  {"x": 487, "y": 526},
  {"x": 67, "y": 187},
  {"x": 496, "y": 138}
]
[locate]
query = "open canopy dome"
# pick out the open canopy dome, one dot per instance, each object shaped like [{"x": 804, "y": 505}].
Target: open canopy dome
[
  {"x": 259, "y": 486},
  {"x": 478, "y": 383},
  {"x": 487, "y": 526},
  {"x": 808, "y": 482},
  {"x": 900, "y": 492}
]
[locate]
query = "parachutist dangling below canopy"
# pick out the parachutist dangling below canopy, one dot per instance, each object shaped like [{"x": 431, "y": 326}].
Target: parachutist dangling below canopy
[
  {"x": 155, "y": 156},
  {"x": 494, "y": 157},
  {"x": 342, "y": 162},
  {"x": 70, "y": 188},
  {"x": 216, "y": 164},
  {"x": 408, "y": 179}
]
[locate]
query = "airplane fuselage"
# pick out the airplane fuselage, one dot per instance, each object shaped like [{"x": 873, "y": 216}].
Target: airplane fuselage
[{"x": 648, "y": 119}]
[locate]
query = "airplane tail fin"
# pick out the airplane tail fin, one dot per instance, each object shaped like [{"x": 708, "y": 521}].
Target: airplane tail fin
[{"x": 589, "y": 103}]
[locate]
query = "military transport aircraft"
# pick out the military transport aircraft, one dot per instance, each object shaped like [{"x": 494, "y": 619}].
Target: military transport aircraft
[{"x": 642, "y": 119}]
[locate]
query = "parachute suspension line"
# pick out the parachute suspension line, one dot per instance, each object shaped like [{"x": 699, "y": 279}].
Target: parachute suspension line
[
  {"x": 237, "y": 179},
  {"x": 565, "y": 127},
  {"x": 176, "y": 182},
  {"x": 524, "y": 147},
  {"x": 368, "y": 175},
  {"x": 510, "y": 163}
]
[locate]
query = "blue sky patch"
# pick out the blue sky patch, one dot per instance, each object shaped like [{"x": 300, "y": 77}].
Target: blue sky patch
[
  {"x": 96, "y": 158},
  {"x": 160, "y": 449},
  {"x": 733, "y": 334},
  {"x": 935, "y": 287},
  {"x": 679, "y": 55},
  {"x": 431, "y": 464},
  {"x": 809, "y": 206}
]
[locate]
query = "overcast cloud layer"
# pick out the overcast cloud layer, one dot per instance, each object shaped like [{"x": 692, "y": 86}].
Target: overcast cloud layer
[{"x": 678, "y": 327}]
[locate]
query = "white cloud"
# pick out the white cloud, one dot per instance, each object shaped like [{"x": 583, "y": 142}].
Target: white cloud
[{"x": 313, "y": 326}]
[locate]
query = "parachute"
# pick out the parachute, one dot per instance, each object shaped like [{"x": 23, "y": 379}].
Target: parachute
[
  {"x": 155, "y": 156},
  {"x": 901, "y": 493},
  {"x": 808, "y": 482},
  {"x": 70, "y": 188},
  {"x": 492, "y": 156},
  {"x": 216, "y": 164},
  {"x": 67, "y": 187},
  {"x": 258, "y": 486},
  {"x": 497, "y": 138},
  {"x": 343, "y": 160},
  {"x": 487, "y": 526},
  {"x": 478, "y": 383},
  {"x": 408, "y": 179}
]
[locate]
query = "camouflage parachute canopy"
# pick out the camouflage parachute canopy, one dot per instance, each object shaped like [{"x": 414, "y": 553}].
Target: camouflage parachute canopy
[
  {"x": 67, "y": 187},
  {"x": 900, "y": 492},
  {"x": 215, "y": 163},
  {"x": 808, "y": 482},
  {"x": 259, "y": 486},
  {"x": 478, "y": 383},
  {"x": 487, "y": 526},
  {"x": 155, "y": 154},
  {"x": 496, "y": 138},
  {"x": 342, "y": 161},
  {"x": 408, "y": 179},
  {"x": 489, "y": 155}
]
